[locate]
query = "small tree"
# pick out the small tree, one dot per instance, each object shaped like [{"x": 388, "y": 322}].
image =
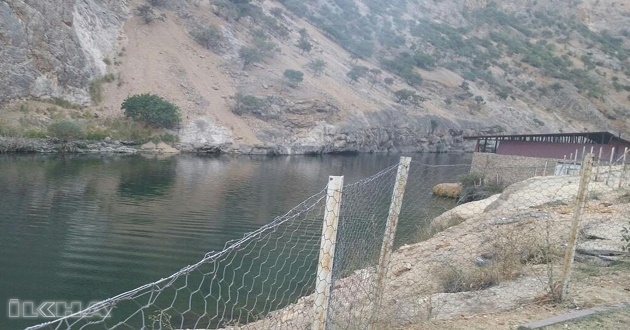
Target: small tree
[
  {"x": 388, "y": 81},
  {"x": 304, "y": 45},
  {"x": 375, "y": 75},
  {"x": 152, "y": 110},
  {"x": 293, "y": 77},
  {"x": 434, "y": 125},
  {"x": 317, "y": 66}
]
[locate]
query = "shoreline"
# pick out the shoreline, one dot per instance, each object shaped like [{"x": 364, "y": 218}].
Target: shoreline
[{"x": 14, "y": 145}]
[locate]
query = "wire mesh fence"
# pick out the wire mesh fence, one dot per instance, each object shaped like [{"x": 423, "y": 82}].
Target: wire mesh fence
[
  {"x": 395, "y": 249},
  {"x": 264, "y": 271}
]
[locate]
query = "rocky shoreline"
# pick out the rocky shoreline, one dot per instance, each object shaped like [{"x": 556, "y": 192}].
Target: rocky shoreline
[{"x": 49, "y": 146}]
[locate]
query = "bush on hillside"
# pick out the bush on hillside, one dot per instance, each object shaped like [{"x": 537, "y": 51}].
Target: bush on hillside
[
  {"x": 66, "y": 130},
  {"x": 152, "y": 110},
  {"x": 293, "y": 77},
  {"x": 210, "y": 37}
]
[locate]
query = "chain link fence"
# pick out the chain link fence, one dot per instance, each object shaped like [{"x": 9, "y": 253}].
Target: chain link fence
[{"x": 397, "y": 249}]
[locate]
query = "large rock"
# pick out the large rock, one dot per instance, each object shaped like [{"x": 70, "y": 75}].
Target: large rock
[
  {"x": 55, "y": 48},
  {"x": 461, "y": 213},
  {"x": 451, "y": 190},
  {"x": 204, "y": 135}
]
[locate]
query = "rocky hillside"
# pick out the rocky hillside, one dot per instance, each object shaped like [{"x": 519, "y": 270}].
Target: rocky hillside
[{"x": 320, "y": 76}]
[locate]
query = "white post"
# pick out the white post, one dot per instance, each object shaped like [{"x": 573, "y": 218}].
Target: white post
[
  {"x": 323, "y": 285},
  {"x": 545, "y": 168},
  {"x": 390, "y": 233},
  {"x": 597, "y": 169},
  {"x": 577, "y": 213},
  {"x": 623, "y": 172},
  {"x": 583, "y": 152},
  {"x": 612, "y": 158}
]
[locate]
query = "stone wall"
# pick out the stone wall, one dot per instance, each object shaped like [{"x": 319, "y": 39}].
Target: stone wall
[{"x": 510, "y": 169}]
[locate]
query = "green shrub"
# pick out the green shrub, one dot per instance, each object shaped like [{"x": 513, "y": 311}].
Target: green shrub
[
  {"x": 293, "y": 77},
  {"x": 247, "y": 103},
  {"x": 152, "y": 110},
  {"x": 317, "y": 66},
  {"x": 66, "y": 130},
  {"x": 250, "y": 55},
  {"x": 408, "y": 96},
  {"x": 210, "y": 37}
]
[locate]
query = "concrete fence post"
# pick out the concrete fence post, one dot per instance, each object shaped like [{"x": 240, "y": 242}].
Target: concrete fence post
[
  {"x": 612, "y": 159},
  {"x": 622, "y": 176},
  {"x": 323, "y": 285},
  {"x": 575, "y": 222},
  {"x": 390, "y": 233},
  {"x": 598, "y": 164}
]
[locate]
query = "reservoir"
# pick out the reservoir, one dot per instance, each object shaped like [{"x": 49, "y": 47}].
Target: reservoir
[{"x": 86, "y": 228}]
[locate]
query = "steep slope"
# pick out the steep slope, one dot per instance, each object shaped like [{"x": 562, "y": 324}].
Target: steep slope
[
  {"x": 54, "y": 48},
  {"x": 398, "y": 76}
]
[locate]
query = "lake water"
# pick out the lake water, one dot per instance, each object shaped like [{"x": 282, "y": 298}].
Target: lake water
[{"x": 85, "y": 228}]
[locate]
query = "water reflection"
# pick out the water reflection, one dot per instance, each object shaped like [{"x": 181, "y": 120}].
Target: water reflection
[{"x": 142, "y": 178}]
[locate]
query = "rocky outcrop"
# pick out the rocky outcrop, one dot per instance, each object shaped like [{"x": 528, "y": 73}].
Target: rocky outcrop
[
  {"x": 204, "y": 135},
  {"x": 55, "y": 48},
  {"x": 26, "y": 145}
]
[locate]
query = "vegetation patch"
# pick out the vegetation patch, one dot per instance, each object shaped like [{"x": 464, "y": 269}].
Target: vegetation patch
[
  {"x": 152, "y": 110},
  {"x": 66, "y": 130}
]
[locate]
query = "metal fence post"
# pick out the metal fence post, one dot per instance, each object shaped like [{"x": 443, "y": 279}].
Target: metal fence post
[
  {"x": 390, "y": 233},
  {"x": 323, "y": 285},
  {"x": 577, "y": 214}
]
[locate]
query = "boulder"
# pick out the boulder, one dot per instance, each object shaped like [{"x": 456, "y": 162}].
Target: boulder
[{"x": 451, "y": 190}]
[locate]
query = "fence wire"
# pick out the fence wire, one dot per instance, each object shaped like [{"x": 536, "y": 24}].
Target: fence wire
[
  {"x": 497, "y": 237},
  {"x": 266, "y": 270}
]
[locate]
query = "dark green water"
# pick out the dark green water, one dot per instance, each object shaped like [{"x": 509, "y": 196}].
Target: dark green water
[{"x": 85, "y": 228}]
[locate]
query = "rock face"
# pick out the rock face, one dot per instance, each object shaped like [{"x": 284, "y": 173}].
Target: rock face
[{"x": 55, "y": 48}]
